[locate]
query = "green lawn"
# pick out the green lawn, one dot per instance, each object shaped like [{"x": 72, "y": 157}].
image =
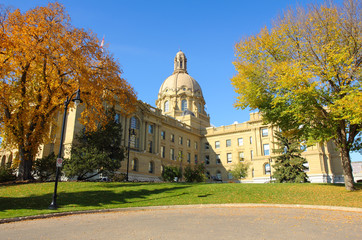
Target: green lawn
[{"x": 34, "y": 198}]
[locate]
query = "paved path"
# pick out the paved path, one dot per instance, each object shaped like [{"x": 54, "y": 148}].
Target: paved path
[{"x": 196, "y": 222}]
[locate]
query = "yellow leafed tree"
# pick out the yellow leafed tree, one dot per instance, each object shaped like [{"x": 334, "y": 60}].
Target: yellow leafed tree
[
  {"x": 43, "y": 59},
  {"x": 304, "y": 74}
]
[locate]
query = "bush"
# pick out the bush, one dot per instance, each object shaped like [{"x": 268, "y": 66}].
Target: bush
[
  {"x": 118, "y": 177},
  {"x": 7, "y": 173},
  {"x": 195, "y": 174},
  {"x": 169, "y": 173},
  {"x": 45, "y": 167}
]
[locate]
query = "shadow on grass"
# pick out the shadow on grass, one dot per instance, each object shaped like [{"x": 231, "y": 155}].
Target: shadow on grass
[{"x": 88, "y": 198}]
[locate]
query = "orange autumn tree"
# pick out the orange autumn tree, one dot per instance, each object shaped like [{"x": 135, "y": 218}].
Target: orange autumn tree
[
  {"x": 43, "y": 59},
  {"x": 304, "y": 74}
]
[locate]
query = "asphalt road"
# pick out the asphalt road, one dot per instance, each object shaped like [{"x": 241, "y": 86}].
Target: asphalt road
[{"x": 195, "y": 222}]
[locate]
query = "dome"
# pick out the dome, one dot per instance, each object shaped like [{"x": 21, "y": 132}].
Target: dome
[{"x": 180, "y": 81}]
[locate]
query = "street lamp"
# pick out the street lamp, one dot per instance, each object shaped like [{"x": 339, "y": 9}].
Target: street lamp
[
  {"x": 130, "y": 132},
  {"x": 76, "y": 100}
]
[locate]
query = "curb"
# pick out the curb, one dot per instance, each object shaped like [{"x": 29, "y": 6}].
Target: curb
[{"x": 235, "y": 205}]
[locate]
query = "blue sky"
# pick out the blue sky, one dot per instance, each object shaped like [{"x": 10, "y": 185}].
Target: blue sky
[{"x": 145, "y": 36}]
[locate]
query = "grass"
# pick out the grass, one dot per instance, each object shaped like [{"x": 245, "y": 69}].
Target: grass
[{"x": 34, "y": 198}]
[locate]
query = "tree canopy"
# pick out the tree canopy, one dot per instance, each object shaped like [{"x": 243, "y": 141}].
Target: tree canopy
[
  {"x": 44, "y": 59},
  {"x": 305, "y": 73}
]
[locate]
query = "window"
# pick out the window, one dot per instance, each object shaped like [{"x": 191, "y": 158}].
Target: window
[
  {"x": 241, "y": 156},
  {"x": 150, "y": 129},
  {"x": 218, "y": 161},
  {"x": 180, "y": 155},
  {"x": 195, "y": 145},
  {"x": 150, "y": 146},
  {"x": 207, "y": 146},
  {"x": 150, "y": 167},
  {"x": 306, "y": 165},
  {"x": 134, "y": 165},
  {"x": 266, "y": 149},
  {"x": 264, "y": 132},
  {"x": 188, "y": 143},
  {"x": 166, "y": 108},
  {"x": 251, "y": 140},
  {"x": 230, "y": 176},
  {"x": 218, "y": 175},
  {"x": 195, "y": 158},
  {"x": 228, "y": 143},
  {"x": 180, "y": 140},
  {"x": 172, "y": 138},
  {"x": 172, "y": 154},
  {"x": 267, "y": 168},
  {"x": 163, "y": 151},
  {"x": 117, "y": 118},
  {"x": 135, "y": 123},
  {"x": 184, "y": 105},
  {"x": 199, "y": 107},
  {"x": 252, "y": 172},
  {"x": 240, "y": 142},
  {"x": 207, "y": 159},
  {"x": 189, "y": 157},
  {"x": 163, "y": 135},
  {"x": 229, "y": 158},
  {"x": 251, "y": 154},
  {"x": 217, "y": 144}
]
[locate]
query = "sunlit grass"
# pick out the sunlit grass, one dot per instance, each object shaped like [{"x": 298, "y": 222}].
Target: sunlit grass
[{"x": 34, "y": 198}]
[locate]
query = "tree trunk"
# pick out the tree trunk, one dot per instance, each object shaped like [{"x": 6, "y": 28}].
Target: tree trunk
[
  {"x": 347, "y": 169},
  {"x": 26, "y": 164}
]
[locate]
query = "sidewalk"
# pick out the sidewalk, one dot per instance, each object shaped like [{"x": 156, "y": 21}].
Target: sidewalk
[{"x": 195, "y": 222}]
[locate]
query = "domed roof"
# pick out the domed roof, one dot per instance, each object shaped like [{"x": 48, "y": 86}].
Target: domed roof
[{"x": 180, "y": 79}]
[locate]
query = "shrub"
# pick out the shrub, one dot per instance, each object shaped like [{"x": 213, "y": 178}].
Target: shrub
[
  {"x": 169, "y": 173},
  {"x": 45, "y": 167},
  {"x": 195, "y": 174},
  {"x": 7, "y": 173}
]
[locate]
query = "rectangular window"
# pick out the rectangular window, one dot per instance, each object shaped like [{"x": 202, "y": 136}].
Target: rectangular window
[
  {"x": 217, "y": 144},
  {"x": 117, "y": 118},
  {"x": 251, "y": 140},
  {"x": 150, "y": 129},
  {"x": 228, "y": 143},
  {"x": 240, "y": 142},
  {"x": 195, "y": 158},
  {"x": 266, "y": 149},
  {"x": 229, "y": 158},
  {"x": 251, "y": 154},
  {"x": 207, "y": 160},
  {"x": 264, "y": 132},
  {"x": 172, "y": 138},
  {"x": 180, "y": 140},
  {"x": 163, "y": 151},
  {"x": 188, "y": 143},
  {"x": 207, "y": 146},
  {"x": 241, "y": 156},
  {"x": 195, "y": 145},
  {"x": 189, "y": 157},
  {"x": 180, "y": 155},
  {"x": 172, "y": 154},
  {"x": 163, "y": 135},
  {"x": 218, "y": 161},
  {"x": 150, "y": 146}
]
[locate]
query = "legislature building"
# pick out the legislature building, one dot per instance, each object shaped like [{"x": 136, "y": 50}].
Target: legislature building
[{"x": 178, "y": 132}]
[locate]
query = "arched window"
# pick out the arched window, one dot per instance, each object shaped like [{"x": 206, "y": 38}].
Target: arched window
[
  {"x": 184, "y": 105},
  {"x": 134, "y": 165},
  {"x": 150, "y": 167},
  {"x": 166, "y": 106},
  {"x": 117, "y": 118},
  {"x": 10, "y": 159},
  {"x": 199, "y": 107},
  {"x": 3, "y": 161},
  {"x": 267, "y": 168}
]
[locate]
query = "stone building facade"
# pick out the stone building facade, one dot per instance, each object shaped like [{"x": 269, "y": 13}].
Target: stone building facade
[{"x": 177, "y": 132}]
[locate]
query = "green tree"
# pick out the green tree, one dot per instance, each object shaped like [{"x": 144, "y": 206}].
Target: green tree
[
  {"x": 195, "y": 173},
  {"x": 96, "y": 152},
  {"x": 289, "y": 164},
  {"x": 43, "y": 59},
  {"x": 240, "y": 170},
  {"x": 44, "y": 167},
  {"x": 305, "y": 73},
  {"x": 169, "y": 173}
]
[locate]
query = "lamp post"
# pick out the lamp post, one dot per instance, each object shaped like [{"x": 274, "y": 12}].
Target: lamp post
[
  {"x": 130, "y": 132},
  {"x": 76, "y": 100}
]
